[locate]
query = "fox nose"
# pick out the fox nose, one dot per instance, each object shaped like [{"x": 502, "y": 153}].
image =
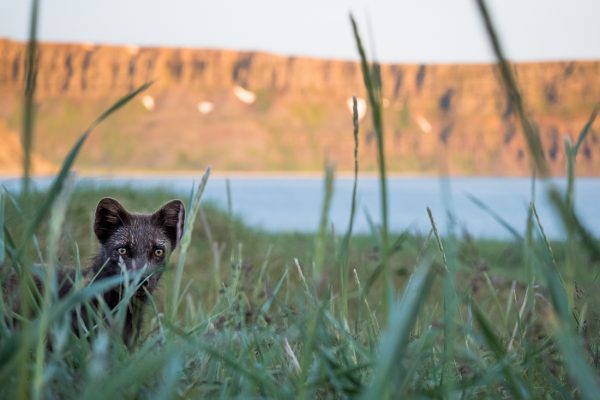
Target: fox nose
[{"x": 138, "y": 263}]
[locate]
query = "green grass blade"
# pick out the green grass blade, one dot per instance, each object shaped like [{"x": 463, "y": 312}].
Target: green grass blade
[
  {"x": 373, "y": 87},
  {"x": 438, "y": 239},
  {"x": 23, "y": 372},
  {"x": 534, "y": 143},
  {"x": 342, "y": 259},
  {"x": 373, "y": 228},
  {"x": 569, "y": 343},
  {"x": 379, "y": 268},
  {"x": 232, "y": 239},
  {"x": 186, "y": 239},
  {"x": 496, "y": 217},
  {"x": 515, "y": 384},
  {"x": 322, "y": 236},
  {"x": 56, "y": 311},
  {"x": 584, "y": 376},
  {"x": 50, "y": 292},
  {"x": 447, "y": 379},
  {"x": 171, "y": 372},
  {"x": 10, "y": 248},
  {"x": 118, "y": 104},
  {"x": 264, "y": 309},
  {"x": 58, "y": 182},
  {"x": 29, "y": 100},
  {"x": 570, "y": 153},
  {"x": 586, "y": 129},
  {"x": 543, "y": 233},
  {"x": 558, "y": 294},
  {"x": 2, "y": 224},
  {"x": 395, "y": 337},
  {"x": 571, "y": 221},
  {"x": 355, "y": 177}
]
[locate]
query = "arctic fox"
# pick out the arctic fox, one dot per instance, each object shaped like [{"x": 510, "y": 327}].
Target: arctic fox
[
  {"x": 134, "y": 241},
  {"x": 132, "y": 245}
]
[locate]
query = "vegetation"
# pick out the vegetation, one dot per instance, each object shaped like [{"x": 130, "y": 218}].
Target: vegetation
[{"x": 247, "y": 314}]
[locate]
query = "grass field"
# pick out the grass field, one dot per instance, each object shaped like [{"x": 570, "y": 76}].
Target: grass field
[
  {"x": 254, "y": 294},
  {"x": 246, "y": 314}
]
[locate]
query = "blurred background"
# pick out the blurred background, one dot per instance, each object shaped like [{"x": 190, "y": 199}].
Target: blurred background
[{"x": 261, "y": 91}]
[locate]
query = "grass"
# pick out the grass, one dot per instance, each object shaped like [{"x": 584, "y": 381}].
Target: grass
[{"x": 246, "y": 314}]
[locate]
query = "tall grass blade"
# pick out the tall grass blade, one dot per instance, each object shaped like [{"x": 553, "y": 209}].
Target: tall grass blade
[
  {"x": 322, "y": 236},
  {"x": 2, "y": 235},
  {"x": 558, "y": 294},
  {"x": 438, "y": 239},
  {"x": 373, "y": 324},
  {"x": 267, "y": 305},
  {"x": 580, "y": 372},
  {"x": 569, "y": 343},
  {"x": 10, "y": 247},
  {"x": 496, "y": 217},
  {"x": 56, "y": 311},
  {"x": 514, "y": 383},
  {"x": 394, "y": 338},
  {"x": 27, "y": 143},
  {"x": 50, "y": 291},
  {"x": 543, "y": 233},
  {"x": 373, "y": 87},
  {"x": 355, "y": 177},
  {"x": 230, "y": 211},
  {"x": 29, "y": 97},
  {"x": 186, "y": 239},
  {"x": 534, "y": 143},
  {"x": 170, "y": 375},
  {"x": 58, "y": 182},
  {"x": 379, "y": 268},
  {"x": 447, "y": 380},
  {"x": 571, "y": 221},
  {"x": 586, "y": 129},
  {"x": 342, "y": 259},
  {"x": 570, "y": 154}
]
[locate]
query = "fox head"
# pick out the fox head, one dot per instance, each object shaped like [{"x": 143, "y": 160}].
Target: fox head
[{"x": 138, "y": 241}]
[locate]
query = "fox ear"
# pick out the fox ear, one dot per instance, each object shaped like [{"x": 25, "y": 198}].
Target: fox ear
[
  {"x": 170, "y": 218},
  {"x": 110, "y": 215}
]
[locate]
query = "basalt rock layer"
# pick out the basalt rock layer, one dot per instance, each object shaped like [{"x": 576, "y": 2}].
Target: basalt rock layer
[{"x": 438, "y": 117}]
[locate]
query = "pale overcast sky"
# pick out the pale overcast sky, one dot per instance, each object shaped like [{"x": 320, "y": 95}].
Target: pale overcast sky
[{"x": 403, "y": 30}]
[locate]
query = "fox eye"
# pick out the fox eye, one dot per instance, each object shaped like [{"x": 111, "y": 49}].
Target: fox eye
[
  {"x": 122, "y": 251},
  {"x": 159, "y": 252}
]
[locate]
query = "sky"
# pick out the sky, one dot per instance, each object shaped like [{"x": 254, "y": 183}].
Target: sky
[{"x": 397, "y": 30}]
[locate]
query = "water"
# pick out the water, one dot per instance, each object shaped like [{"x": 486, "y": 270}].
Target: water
[{"x": 294, "y": 203}]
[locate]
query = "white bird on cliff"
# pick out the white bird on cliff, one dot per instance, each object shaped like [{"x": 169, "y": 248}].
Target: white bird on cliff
[
  {"x": 423, "y": 124},
  {"x": 206, "y": 107},
  {"x": 148, "y": 102},
  {"x": 245, "y": 96}
]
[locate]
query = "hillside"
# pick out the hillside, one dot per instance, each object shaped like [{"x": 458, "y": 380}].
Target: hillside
[
  {"x": 11, "y": 156},
  {"x": 263, "y": 112}
]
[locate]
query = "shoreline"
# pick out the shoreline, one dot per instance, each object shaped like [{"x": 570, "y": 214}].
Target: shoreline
[{"x": 141, "y": 174}]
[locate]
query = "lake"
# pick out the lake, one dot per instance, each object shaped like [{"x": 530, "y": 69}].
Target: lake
[{"x": 292, "y": 203}]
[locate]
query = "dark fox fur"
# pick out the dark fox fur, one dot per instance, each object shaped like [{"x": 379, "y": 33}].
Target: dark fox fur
[{"x": 137, "y": 242}]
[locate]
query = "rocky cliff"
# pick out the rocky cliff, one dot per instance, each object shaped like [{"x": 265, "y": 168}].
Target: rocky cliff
[{"x": 257, "y": 111}]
